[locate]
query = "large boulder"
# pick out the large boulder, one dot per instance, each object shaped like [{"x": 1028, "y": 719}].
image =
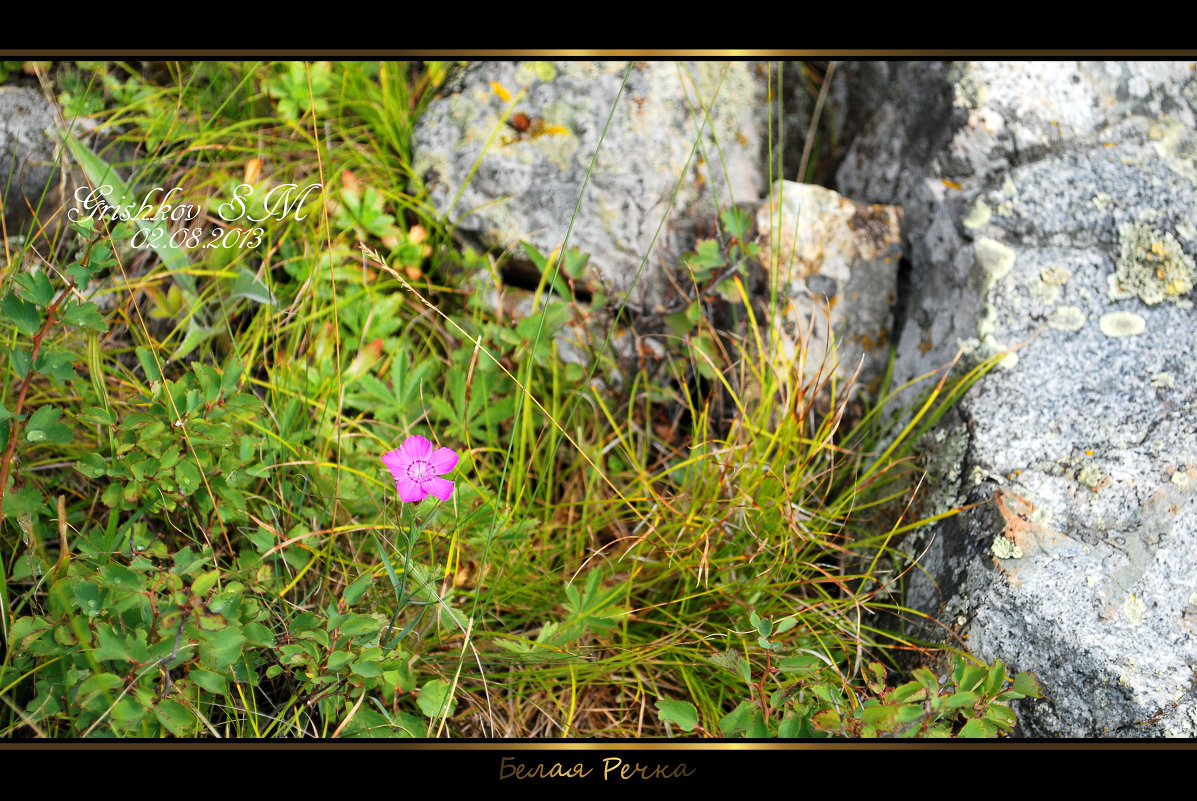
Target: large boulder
[
  {"x": 1051, "y": 206},
  {"x": 676, "y": 143}
]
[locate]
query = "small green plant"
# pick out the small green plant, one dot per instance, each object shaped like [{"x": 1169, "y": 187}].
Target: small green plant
[{"x": 804, "y": 694}]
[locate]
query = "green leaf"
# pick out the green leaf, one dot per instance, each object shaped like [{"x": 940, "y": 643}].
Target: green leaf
[
  {"x": 25, "y": 501},
  {"x": 146, "y": 357},
  {"x": 205, "y": 582},
  {"x": 21, "y": 313},
  {"x": 367, "y": 669},
  {"x": 355, "y": 591},
  {"x": 57, "y": 364},
  {"x": 972, "y": 676},
  {"x": 337, "y": 660},
  {"x": 21, "y": 361},
  {"x": 91, "y": 598},
  {"x": 226, "y": 647},
  {"x": 175, "y": 717},
  {"x": 358, "y": 625},
  {"x": 212, "y": 682},
  {"x": 434, "y": 697},
  {"x": 736, "y": 222},
  {"x": 37, "y": 287},
  {"x": 1001, "y": 716},
  {"x": 736, "y": 721},
  {"x": 733, "y": 661},
  {"x": 785, "y": 624},
  {"x": 978, "y": 727},
  {"x": 26, "y": 630},
  {"x": 956, "y": 700},
  {"x": 910, "y": 691},
  {"x": 706, "y": 258},
  {"x": 681, "y": 713},
  {"x": 880, "y": 716},
  {"x": 85, "y": 315},
  {"x": 247, "y": 285},
  {"x": 91, "y": 464},
  {"x": 1025, "y": 684},
  {"x": 99, "y": 684}
]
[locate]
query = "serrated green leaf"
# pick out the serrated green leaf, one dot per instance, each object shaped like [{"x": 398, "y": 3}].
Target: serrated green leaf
[
  {"x": 40, "y": 420},
  {"x": 681, "y": 713},
  {"x": 226, "y": 647},
  {"x": 175, "y": 717},
  {"x": 85, "y": 315},
  {"x": 21, "y": 313},
  {"x": 56, "y": 364},
  {"x": 27, "y": 629},
  {"x": 1001, "y": 716},
  {"x": 37, "y": 287},
  {"x": 1026, "y": 684}
]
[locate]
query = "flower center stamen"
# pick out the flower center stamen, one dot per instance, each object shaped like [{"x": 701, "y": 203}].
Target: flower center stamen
[{"x": 419, "y": 470}]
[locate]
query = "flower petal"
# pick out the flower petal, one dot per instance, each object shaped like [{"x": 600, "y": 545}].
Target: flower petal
[
  {"x": 395, "y": 463},
  {"x": 416, "y": 448},
  {"x": 410, "y": 491},
  {"x": 443, "y": 460},
  {"x": 439, "y": 487}
]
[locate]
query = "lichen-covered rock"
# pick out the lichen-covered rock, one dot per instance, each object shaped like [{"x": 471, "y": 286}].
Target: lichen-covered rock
[
  {"x": 836, "y": 262},
  {"x": 675, "y": 143},
  {"x": 1050, "y": 206}
]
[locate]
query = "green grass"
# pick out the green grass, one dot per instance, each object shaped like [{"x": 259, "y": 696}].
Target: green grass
[{"x": 601, "y": 546}]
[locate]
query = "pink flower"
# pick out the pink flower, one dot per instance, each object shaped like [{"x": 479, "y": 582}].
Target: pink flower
[{"x": 416, "y": 468}]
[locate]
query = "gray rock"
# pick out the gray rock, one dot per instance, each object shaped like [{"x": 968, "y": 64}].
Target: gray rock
[
  {"x": 654, "y": 181},
  {"x": 1050, "y": 206},
  {"x": 837, "y": 265},
  {"x": 28, "y": 149}
]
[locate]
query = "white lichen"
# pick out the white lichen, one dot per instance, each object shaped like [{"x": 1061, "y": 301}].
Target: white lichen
[
  {"x": 978, "y": 216},
  {"x": 1122, "y": 324},
  {"x": 1067, "y": 318},
  {"x": 1135, "y": 611},
  {"x": 991, "y": 261},
  {"x": 1163, "y": 380}
]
